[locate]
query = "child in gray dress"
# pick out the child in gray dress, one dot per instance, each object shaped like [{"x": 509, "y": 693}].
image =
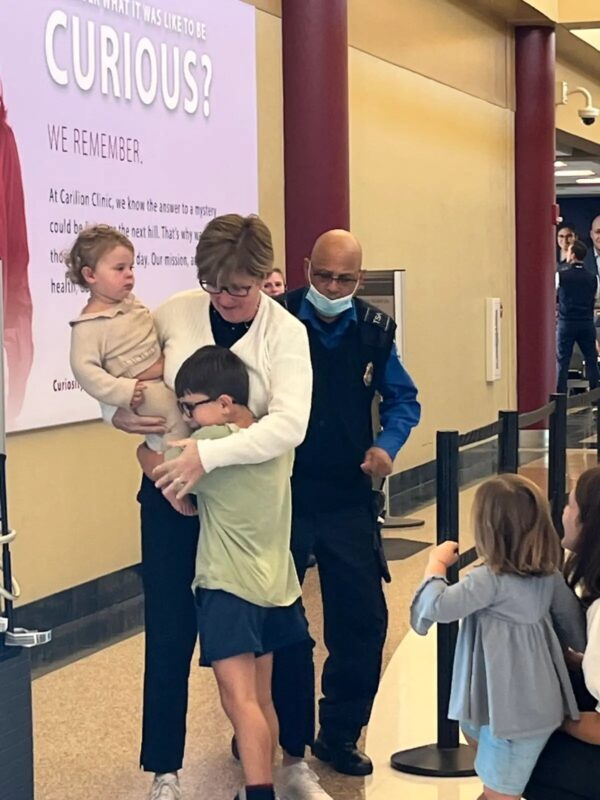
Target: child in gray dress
[{"x": 510, "y": 684}]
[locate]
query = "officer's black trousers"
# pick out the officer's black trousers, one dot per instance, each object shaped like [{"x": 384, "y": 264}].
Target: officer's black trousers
[
  {"x": 355, "y": 626},
  {"x": 169, "y": 543}
]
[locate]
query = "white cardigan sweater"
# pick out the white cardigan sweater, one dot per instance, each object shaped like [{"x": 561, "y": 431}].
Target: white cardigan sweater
[{"x": 276, "y": 353}]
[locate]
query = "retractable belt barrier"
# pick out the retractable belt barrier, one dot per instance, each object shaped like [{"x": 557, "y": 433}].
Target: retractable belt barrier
[{"x": 447, "y": 757}]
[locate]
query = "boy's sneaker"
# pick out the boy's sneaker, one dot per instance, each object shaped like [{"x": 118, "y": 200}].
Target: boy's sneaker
[
  {"x": 165, "y": 787},
  {"x": 299, "y": 782}
]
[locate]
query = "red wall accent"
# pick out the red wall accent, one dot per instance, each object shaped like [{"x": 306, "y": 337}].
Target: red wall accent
[
  {"x": 535, "y": 198},
  {"x": 315, "y": 107}
]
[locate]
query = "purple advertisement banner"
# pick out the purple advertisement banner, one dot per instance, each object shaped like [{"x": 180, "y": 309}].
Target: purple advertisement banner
[{"x": 134, "y": 114}]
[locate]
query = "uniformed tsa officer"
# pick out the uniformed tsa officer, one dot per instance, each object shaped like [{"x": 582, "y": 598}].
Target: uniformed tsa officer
[{"x": 353, "y": 356}]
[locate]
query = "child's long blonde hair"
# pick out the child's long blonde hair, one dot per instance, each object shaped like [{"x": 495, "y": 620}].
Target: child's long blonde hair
[{"x": 513, "y": 530}]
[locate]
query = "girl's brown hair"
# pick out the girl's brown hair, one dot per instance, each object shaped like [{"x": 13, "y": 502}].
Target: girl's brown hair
[
  {"x": 232, "y": 243},
  {"x": 90, "y": 246},
  {"x": 513, "y": 530},
  {"x": 583, "y": 566}
]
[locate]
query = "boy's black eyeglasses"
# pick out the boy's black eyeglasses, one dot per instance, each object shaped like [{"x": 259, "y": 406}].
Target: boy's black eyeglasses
[{"x": 187, "y": 409}]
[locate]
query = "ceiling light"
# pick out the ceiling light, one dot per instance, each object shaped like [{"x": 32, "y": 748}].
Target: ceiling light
[
  {"x": 558, "y": 164},
  {"x": 587, "y": 180},
  {"x": 573, "y": 173}
]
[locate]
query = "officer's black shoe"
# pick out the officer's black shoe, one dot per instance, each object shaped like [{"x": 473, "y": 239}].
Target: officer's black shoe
[{"x": 345, "y": 758}]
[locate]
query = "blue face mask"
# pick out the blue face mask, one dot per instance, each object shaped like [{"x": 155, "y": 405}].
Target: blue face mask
[{"x": 327, "y": 307}]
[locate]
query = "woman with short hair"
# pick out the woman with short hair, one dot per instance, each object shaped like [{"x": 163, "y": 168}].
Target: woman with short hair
[{"x": 233, "y": 257}]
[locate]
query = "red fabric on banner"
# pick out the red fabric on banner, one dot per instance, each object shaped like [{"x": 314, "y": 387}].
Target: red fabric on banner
[{"x": 14, "y": 252}]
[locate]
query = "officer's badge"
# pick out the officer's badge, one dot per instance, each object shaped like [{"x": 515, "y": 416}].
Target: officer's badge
[{"x": 368, "y": 376}]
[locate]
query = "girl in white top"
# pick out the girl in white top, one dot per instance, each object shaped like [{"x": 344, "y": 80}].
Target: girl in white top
[
  {"x": 115, "y": 354},
  {"x": 581, "y": 522},
  {"x": 569, "y": 767}
]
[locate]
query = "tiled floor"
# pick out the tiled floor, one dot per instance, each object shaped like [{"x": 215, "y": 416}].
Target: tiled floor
[{"x": 87, "y": 715}]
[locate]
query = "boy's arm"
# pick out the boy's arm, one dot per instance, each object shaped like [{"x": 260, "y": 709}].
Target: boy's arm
[{"x": 93, "y": 378}]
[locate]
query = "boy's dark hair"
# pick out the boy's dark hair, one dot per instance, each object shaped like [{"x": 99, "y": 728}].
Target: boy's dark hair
[
  {"x": 578, "y": 249},
  {"x": 213, "y": 370}
]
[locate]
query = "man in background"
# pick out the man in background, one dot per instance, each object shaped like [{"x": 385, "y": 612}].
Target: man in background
[{"x": 577, "y": 288}]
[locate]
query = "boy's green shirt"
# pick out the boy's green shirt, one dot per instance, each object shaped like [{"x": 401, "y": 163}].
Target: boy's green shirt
[{"x": 245, "y": 525}]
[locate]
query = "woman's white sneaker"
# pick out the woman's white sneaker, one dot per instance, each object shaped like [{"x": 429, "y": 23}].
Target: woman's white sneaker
[
  {"x": 165, "y": 787},
  {"x": 299, "y": 782}
]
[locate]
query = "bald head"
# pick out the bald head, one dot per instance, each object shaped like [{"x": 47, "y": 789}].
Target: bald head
[{"x": 339, "y": 249}]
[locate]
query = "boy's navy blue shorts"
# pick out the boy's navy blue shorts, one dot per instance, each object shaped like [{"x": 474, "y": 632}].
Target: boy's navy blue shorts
[{"x": 229, "y": 626}]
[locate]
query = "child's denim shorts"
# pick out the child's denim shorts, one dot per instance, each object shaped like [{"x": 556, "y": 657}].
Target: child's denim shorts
[
  {"x": 505, "y": 765},
  {"x": 229, "y": 626}
]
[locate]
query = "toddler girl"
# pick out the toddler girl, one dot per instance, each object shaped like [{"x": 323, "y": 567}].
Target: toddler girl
[
  {"x": 115, "y": 353},
  {"x": 510, "y": 684}
]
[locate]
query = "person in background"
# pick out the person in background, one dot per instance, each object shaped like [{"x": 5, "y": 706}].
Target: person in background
[
  {"x": 353, "y": 356},
  {"x": 592, "y": 258},
  {"x": 274, "y": 284},
  {"x": 577, "y": 289},
  {"x": 565, "y": 236}
]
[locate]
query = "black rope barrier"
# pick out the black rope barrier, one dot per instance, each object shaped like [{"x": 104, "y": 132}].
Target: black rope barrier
[
  {"x": 531, "y": 417},
  {"x": 479, "y": 434},
  {"x": 584, "y": 399}
]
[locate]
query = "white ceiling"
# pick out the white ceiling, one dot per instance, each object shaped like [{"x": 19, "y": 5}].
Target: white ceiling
[{"x": 568, "y": 186}]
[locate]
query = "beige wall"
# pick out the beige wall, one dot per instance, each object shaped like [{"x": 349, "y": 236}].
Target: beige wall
[
  {"x": 432, "y": 192},
  {"x": 71, "y": 493},
  {"x": 270, "y": 128},
  {"x": 431, "y": 186},
  {"x": 441, "y": 40}
]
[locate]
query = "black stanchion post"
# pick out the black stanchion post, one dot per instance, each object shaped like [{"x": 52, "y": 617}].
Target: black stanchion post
[
  {"x": 508, "y": 442},
  {"x": 447, "y": 758},
  {"x": 557, "y": 458}
]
